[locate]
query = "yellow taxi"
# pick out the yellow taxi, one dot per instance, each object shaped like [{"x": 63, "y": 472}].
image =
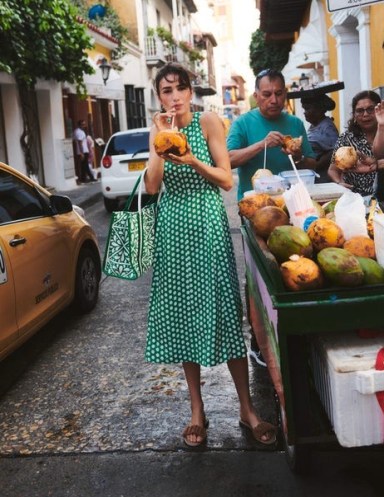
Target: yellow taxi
[{"x": 49, "y": 258}]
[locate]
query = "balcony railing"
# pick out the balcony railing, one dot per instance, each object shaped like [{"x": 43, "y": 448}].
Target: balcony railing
[
  {"x": 154, "y": 51},
  {"x": 158, "y": 53}
]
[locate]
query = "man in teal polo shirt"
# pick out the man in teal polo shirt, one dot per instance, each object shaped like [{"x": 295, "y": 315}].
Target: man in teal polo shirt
[
  {"x": 264, "y": 128},
  {"x": 260, "y": 131}
]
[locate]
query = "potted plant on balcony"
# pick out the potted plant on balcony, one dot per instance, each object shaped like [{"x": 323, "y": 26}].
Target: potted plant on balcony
[{"x": 192, "y": 54}]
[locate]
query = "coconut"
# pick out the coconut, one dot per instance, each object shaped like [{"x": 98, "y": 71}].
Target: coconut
[
  {"x": 345, "y": 158},
  {"x": 292, "y": 145},
  {"x": 171, "y": 141},
  {"x": 261, "y": 173}
]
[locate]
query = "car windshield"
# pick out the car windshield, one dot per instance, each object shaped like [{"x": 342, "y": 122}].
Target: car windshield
[{"x": 130, "y": 143}]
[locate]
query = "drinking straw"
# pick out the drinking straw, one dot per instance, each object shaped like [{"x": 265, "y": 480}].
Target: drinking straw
[
  {"x": 265, "y": 153},
  {"x": 294, "y": 168}
]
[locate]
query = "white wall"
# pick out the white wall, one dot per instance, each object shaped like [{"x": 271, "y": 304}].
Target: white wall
[
  {"x": 53, "y": 146},
  {"x": 13, "y": 126}
]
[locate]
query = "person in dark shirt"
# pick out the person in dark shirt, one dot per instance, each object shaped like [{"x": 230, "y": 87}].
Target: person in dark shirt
[{"x": 322, "y": 133}]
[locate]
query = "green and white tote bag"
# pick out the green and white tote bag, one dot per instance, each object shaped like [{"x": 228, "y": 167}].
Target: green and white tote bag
[{"x": 130, "y": 244}]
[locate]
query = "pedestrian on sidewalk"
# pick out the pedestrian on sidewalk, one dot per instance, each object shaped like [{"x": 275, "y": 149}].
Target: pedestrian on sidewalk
[
  {"x": 91, "y": 156},
  {"x": 195, "y": 313},
  {"x": 82, "y": 153}
]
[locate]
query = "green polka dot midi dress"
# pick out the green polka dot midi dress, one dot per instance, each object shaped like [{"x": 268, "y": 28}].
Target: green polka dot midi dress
[{"x": 195, "y": 312}]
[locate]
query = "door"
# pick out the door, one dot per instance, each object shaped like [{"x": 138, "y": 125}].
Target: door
[
  {"x": 38, "y": 246},
  {"x": 8, "y": 328}
]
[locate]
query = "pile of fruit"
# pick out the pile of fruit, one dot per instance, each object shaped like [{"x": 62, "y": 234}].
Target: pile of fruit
[{"x": 319, "y": 257}]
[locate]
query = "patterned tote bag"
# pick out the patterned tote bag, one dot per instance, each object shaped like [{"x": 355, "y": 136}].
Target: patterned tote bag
[{"x": 131, "y": 236}]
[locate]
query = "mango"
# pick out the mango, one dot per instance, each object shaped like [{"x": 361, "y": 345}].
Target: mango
[
  {"x": 373, "y": 272},
  {"x": 267, "y": 218},
  {"x": 251, "y": 203},
  {"x": 340, "y": 267},
  {"x": 301, "y": 273},
  {"x": 285, "y": 241},
  {"x": 329, "y": 206},
  {"x": 325, "y": 233},
  {"x": 361, "y": 246}
]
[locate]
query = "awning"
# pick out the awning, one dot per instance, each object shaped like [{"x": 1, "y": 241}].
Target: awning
[
  {"x": 113, "y": 90},
  {"x": 310, "y": 49},
  {"x": 282, "y": 16}
]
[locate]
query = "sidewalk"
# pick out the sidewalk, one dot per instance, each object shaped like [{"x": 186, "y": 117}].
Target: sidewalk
[{"x": 84, "y": 195}]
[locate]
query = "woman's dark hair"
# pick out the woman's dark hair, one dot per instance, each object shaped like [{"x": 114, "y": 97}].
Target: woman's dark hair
[
  {"x": 176, "y": 70},
  {"x": 369, "y": 94},
  {"x": 322, "y": 102}
]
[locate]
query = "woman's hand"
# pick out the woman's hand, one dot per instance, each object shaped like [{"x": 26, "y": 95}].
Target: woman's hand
[
  {"x": 365, "y": 164},
  {"x": 379, "y": 112},
  {"x": 187, "y": 158},
  {"x": 163, "y": 120}
]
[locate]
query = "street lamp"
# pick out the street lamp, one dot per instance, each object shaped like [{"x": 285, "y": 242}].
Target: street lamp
[{"x": 105, "y": 69}]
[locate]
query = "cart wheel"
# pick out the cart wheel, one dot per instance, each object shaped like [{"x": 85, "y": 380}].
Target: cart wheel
[{"x": 298, "y": 458}]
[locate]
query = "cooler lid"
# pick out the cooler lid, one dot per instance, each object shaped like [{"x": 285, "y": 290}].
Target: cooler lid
[
  {"x": 347, "y": 352},
  {"x": 323, "y": 192}
]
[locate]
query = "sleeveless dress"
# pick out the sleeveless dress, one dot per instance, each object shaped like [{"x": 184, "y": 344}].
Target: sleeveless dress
[{"x": 195, "y": 311}]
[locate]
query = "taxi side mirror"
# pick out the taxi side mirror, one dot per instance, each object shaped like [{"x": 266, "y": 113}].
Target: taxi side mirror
[{"x": 60, "y": 204}]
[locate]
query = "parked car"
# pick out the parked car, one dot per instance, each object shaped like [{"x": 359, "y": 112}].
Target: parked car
[
  {"x": 124, "y": 158},
  {"x": 49, "y": 258}
]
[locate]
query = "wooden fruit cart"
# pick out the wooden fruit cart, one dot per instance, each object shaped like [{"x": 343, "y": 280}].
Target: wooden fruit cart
[{"x": 285, "y": 323}]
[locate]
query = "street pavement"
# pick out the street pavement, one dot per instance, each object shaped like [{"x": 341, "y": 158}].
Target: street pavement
[{"x": 91, "y": 419}]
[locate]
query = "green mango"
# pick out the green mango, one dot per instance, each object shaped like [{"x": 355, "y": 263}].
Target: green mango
[
  {"x": 340, "y": 267},
  {"x": 287, "y": 240},
  {"x": 373, "y": 272}
]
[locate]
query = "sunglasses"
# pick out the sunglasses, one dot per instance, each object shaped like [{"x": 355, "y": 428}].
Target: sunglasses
[
  {"x": 272, "y": 73},
  {"x": 369, "y": 110},
  {"x": 268, "y": 72}
]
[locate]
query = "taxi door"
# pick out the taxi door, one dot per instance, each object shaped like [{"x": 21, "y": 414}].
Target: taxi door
[
  {"x": 8, "y": 325},
  {"x": 41, "y": 259}
]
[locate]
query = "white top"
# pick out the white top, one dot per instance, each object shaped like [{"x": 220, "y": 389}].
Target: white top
[{"x": 80, "y": 136}]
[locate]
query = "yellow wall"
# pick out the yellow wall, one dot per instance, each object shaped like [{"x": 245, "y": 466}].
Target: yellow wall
[
  {"x": 377, "y": 51},
  {"x": 126, "y": 10},
  {"x": 377, "y": 39}
]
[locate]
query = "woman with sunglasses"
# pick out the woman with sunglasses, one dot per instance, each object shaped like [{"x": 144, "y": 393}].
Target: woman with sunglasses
[{"x": 361, "y": 133}]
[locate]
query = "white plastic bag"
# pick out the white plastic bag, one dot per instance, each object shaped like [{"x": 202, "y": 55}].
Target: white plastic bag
[
  {"x": 378, "y": 232},
  {"x": 350, "y": 215}
]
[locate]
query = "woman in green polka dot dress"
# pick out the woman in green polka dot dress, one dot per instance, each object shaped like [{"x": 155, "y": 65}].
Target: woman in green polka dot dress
[{"x": 195, "y": 314}]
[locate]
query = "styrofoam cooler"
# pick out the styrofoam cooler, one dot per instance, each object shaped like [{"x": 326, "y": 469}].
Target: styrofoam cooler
[{"x": 347, "y": 381}]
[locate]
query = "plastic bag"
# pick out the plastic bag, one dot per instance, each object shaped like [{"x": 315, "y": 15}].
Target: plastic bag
[
  {"x": 378, "y": 230},
  {"x": 350, "y": 214}
]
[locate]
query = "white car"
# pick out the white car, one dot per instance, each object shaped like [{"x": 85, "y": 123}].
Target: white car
[{"x": 125, "y": 156}]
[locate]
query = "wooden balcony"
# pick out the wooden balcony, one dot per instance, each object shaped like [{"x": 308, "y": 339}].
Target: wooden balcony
[{"x": 205, "y": 85}]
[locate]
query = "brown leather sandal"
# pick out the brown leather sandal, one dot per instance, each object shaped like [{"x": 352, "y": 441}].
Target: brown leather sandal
[
  {"x": 260, "y": 430},
  {"x": 199, "y": 431}
]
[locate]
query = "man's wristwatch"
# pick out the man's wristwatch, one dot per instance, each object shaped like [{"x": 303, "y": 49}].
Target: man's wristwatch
[{"x": 296, "y": 161}]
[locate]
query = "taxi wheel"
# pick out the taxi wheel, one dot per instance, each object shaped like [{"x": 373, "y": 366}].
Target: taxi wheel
[{"x": 87, "y": 280}]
